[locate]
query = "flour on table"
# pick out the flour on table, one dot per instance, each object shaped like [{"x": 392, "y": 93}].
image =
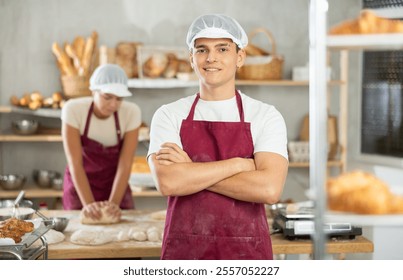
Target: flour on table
[{"x": 159, "y": 215}]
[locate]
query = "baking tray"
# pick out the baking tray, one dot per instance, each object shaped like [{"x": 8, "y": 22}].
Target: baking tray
[{"x": 30, "y": 238}]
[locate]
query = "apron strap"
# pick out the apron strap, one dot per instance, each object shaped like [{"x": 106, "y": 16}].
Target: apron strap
[
  {"x": 192, "y": 109},
  {"x": 117, "y": 125},
  {"x": 87, "y": 122},
  {"x": 190, "y": 117},
  {"x": 240, "y": 106}
]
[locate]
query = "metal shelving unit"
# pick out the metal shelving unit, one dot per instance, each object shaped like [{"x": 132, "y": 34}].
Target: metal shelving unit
[{"x": 319, "y": 44}]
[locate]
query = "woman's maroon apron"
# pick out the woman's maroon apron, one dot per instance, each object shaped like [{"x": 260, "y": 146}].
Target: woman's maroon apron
[
  {"x": 207, "y": 225},
  {"x": 100, "y": 164}
]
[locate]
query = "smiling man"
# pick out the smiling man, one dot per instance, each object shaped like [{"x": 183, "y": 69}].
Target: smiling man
[{"x": 218, "y": 155}]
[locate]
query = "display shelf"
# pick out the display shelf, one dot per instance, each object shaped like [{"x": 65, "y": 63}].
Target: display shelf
[
  {"x": 48, "y": 113},
  {"x": 366, "y": 42},
  {"x": 364, "y": 220},
  {"x": 30, "y": 138},
  {"x": 36, "y": 192}
]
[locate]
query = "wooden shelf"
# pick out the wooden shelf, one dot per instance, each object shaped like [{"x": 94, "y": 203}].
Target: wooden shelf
[
  {"x": 366, "y": 42},
  {"x": 49, "y": 113},
  {"x": 36, "y": 192},
  {"x": 30, "y": 138}
]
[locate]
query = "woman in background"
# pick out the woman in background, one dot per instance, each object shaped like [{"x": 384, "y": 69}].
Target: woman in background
[{"x": 100, "y": 139}]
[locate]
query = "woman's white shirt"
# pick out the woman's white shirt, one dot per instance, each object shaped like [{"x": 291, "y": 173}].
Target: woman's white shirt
[{"x": 75, "y": 112}]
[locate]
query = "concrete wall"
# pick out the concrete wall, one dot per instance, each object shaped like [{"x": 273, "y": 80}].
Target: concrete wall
[{"x": 28, "y": 29}]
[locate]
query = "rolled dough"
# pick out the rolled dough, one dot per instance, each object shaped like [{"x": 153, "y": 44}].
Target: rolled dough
[{"x": 92, "y": 237}]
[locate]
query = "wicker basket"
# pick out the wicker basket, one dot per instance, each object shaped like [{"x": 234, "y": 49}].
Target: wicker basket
[
  {"x": 262, "y": 67},
  {"x": 75, "y": 86}
]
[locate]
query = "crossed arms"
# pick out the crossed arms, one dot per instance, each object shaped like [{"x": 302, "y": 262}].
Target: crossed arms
[{"x": 254, "y": 180}]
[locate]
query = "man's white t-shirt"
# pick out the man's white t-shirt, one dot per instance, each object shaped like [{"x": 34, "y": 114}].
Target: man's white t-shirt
[
  {"x": 75, "y": 112},
  {"x": 268, "y": 128}
]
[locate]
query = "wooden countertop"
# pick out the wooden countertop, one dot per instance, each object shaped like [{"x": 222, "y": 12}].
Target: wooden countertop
[{"x": 134, "y": 249}]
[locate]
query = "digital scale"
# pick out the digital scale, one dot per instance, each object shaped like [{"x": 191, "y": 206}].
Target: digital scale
[{"x": 300, "y": 224}]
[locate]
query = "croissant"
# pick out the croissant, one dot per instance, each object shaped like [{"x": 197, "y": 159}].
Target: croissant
[
  {"x": 367, "y": 23},
  {"x": 361, "y": 192}
]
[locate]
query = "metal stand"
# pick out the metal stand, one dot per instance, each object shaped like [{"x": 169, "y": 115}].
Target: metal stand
[{"x": 318, "y": 118}]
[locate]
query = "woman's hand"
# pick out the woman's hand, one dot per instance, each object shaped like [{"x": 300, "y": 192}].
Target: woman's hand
[
  {"x": 171, "y": 153},
  {"x": 113, "y": 209},
  {"x": 93, "y": 210}
]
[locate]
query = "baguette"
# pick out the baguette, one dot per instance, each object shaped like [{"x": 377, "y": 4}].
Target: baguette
[
  {"x": 87, "y": 56},
  {"x": 253, "y": 50},
  {"x": 78, "y": 46},
  {"x": 76, "y": 61},
  {"x": 63, "y": 60}
]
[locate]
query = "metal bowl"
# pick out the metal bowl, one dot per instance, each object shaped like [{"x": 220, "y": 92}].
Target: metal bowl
[
  {"x": 25, "y": 127},
  {"x": 10, "y": 203},
  {"x": 11, "y": 182},
  {"x": 60, "y": 223},
  {"x": 46, "y": 178},
  {"x": 22, "y": 213},
  {"x": 57, "y": 183}
]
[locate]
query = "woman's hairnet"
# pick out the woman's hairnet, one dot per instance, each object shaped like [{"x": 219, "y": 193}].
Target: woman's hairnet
[
  {"x": 110, "y": 78},
  {"x": 216, "y": 26}
]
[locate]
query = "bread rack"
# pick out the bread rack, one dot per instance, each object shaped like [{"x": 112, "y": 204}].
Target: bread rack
[{"x": 26, "y": 250}]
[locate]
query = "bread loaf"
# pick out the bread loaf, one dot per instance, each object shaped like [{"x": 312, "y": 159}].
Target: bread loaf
[
  {"x": 126, "y": 57},
  {"x": 78, "y": 46},
  {"x": 361, "y": 192},
  {"x": 155, "y": 65},
  {"x": 172, "y": 67},
  {"x": 367, "y": 23},
  {"x": 64, "y": 61}
]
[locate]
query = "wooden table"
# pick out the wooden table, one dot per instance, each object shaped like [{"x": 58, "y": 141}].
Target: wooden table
[{"x": 134, "y": 249}]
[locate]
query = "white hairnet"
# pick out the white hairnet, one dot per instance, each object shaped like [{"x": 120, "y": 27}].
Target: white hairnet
[
  {"x": 216, "y": 26},
  {"x": 110, "y": 78}
]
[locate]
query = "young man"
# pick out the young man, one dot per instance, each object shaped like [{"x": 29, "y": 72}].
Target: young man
[{"x": 218, "y": 155}]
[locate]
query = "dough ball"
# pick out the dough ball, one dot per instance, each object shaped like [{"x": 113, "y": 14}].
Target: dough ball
[
  {"x": 153, "y": 236},
  {"x": 54, "y": 236},
  {"x": 139, "y": 236},
  {"x": 123, "y": 235},
  {"x": 91, "y": 237},
  {"x": 106, "y": 218}
]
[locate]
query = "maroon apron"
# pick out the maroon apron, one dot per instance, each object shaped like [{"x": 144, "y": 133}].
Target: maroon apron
[
  {"x": 207, "y": 225},
  {"x": 100, "y": 164}
]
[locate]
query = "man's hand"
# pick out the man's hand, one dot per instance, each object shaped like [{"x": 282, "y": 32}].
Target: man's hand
[{"x": 171, "y": 153}]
